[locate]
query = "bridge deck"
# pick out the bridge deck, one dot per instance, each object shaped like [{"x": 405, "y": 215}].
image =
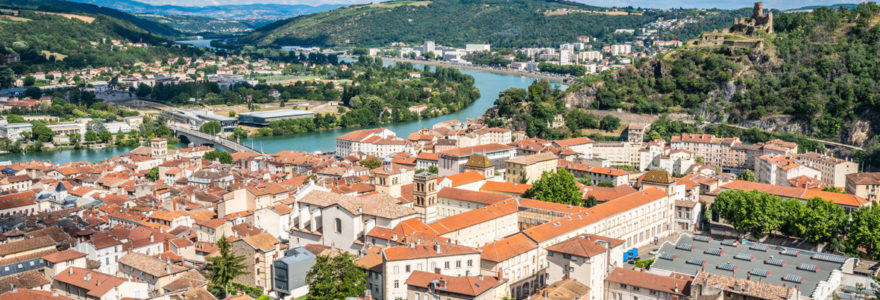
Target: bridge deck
[{"x": 225, "y": 143}]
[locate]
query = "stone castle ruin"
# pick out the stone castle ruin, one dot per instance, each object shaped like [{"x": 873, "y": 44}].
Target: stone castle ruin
[
  {"x": 752, "y": 28},
  {"x": 758, "y": 21}
]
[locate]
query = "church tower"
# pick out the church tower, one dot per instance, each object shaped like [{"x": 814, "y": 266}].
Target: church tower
[{"x": 425, "y": 196}]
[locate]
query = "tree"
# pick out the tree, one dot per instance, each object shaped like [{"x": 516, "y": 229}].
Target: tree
[
  {"x": 42, "y": 133},
  {"x": 91, "y": 136},
  {"x": 371, "y": 162},
  {"x": 433, "y": 169},
  {"x": 153, "y": 175},
  {"x": 33, "y": 92},
  {"x": 74, "y": 138},
  {"x": 862, "y": 233},
  {"x": 754, "y": 212},
  {"x": 15, "y": 119},
  {"x": 239, "y": 132},
  {"x": 224, "y": 267},
  {"x": 220, "y": 156},
  {"x": 609, "y": 123},
  {"x": 29, "y": 81},
  {"x": 105, "y": 136},
  {"x": 747, "y": 175},
  {"x": 336, "y": 277},
  {"x": 232, "y": 114},
  {"x": 557, "y": 187},
  {"x": 7, "y": 77},
  {"x": 590, "y": 201},
  {"x": 823, "y": 221},
  {"x": 211, "y": 128}
]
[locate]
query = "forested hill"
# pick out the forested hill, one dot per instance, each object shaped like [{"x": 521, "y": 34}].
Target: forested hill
[
  {"x": 67, "y": 6},
  {"x": 504, "y": 23},
  {"x": 817, "y": 74},
  {"x": 47, "y": 41}
]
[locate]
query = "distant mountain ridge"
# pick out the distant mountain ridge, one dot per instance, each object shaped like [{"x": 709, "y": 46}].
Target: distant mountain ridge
[
  {"x": 505, "y": 23},
  {"x": 61, "y": 5},
  {"x": 244, "y": 11},
  {"x": 836, "y": 5}
]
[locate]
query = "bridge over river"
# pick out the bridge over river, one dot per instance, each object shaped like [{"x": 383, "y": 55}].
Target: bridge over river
[{"x": 199, "y": 138}]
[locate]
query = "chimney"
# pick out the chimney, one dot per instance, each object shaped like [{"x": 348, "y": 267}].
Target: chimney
[
  {"x": 88, "y": 276},
  {"x": 480, "y": 277},
  {"x": 437, "y": 248},
  {"x": 70, "y": 271}
]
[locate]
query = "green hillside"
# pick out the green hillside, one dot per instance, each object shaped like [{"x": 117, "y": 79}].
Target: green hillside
[
  {"x": 47, "y": 41},
  {"x": 67, "y": 6},
  {"x": 505, "y": 23},
  {"x": 817, "y": 74}
]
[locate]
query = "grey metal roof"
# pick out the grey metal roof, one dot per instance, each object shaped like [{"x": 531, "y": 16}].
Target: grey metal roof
[
  {"x": 780, "y": 265},
  {"x": 277, "y": 113}
]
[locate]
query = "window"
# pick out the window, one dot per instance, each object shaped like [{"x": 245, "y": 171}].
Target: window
[
  {"x": 397, "y": 284},
  {"x": 446, "y": 265},
  {"x": 407, "y": 268},
  {"x": 458, "y": 264},
  {"x": 396, "y": 269},
  {"x": 338, "y": 225},
  {"x": 470, "y": 263}
]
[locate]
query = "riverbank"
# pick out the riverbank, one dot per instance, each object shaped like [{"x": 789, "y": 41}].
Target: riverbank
[{"x": 505, "y": 71}]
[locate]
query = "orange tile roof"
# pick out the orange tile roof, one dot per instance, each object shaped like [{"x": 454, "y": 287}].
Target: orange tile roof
[
  {"x": 97, "y": 285},
  {"x": 469, "y": 176},
  {"x": 29, "y": 294},
  {"x": 480, "y": 149},
  {"x": 65, "y": 255},
  {"x": 843, "y": 199},
  {"x": 651, "y": 281},
  {"x": 507, "y": 248},
  {"x": 471, "y": 196},
  {"x": 424, "y": 250},
  {"x": 594, "y": 214},
  {"x": 470, "y": 286},
  {"x": 505, "y": 187},
  {"x": 474, "y": 217},
  {"x": 585, "y": 245},
  {"x": 573, "y": 141}
]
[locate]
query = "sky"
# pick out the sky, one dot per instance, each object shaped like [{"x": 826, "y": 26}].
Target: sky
[{"x": 727, "y": 4}]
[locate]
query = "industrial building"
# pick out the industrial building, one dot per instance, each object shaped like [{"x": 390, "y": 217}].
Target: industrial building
[
  {"x": 262, "y": 118},
  {"x": 199, "y": 117}
]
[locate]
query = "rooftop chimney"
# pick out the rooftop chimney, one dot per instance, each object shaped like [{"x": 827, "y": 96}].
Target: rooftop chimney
[{"x": 437, "y": 248}]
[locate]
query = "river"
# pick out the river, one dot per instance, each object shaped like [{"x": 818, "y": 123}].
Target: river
[{"x": 489, "y": 84}]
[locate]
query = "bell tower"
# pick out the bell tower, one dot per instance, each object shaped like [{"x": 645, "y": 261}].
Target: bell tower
[{"x": 425, "y": 196}]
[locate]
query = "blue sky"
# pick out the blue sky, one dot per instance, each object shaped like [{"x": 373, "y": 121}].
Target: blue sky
[{"x": 780, "y": 4}]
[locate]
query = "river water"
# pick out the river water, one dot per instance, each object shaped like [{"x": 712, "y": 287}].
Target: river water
[{"x": 489, "y": 84}]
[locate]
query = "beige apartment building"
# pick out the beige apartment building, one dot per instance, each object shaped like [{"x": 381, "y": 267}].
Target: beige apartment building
[
  {"x": 780, "y": 169},
  {"x": 389, "y": 178},
  {"x": 714, "y": 151},
  {"x": 447, "y": 259},
  {"x": 618, "y": 153},
  {"x": 528, "y": 169},
  {"x": 865, "y": 185},
  {"x": 585, "y": 258},
  {"x": 623, "y": 283},
  {"x": 514, "y": 259},
  {"x": 834, "y": 170},
  {"x": 260, "y": 251}
]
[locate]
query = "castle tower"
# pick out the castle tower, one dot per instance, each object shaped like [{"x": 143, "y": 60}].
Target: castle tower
[
  {"x": 158, "y": 147},
  {"x": 758, "y": 10},
  {"x": 425, "y": 196}
]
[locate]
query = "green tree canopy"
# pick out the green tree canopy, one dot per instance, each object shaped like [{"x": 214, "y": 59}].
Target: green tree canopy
[
  {"x": 220, "y": 156},
  {"x": 556, "y": 187},
  {"x": 223, "y": 268},
  {"x": 211, "y": 128},
  {"x": 153, "y": 174},
  {"x": 756, "y": 213},
  {"x": 747, "y": 175},
  {"x": 371, "y": 163},
  {"x": 862, "y": 233},
  {"x": 336, "y": 277}
]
